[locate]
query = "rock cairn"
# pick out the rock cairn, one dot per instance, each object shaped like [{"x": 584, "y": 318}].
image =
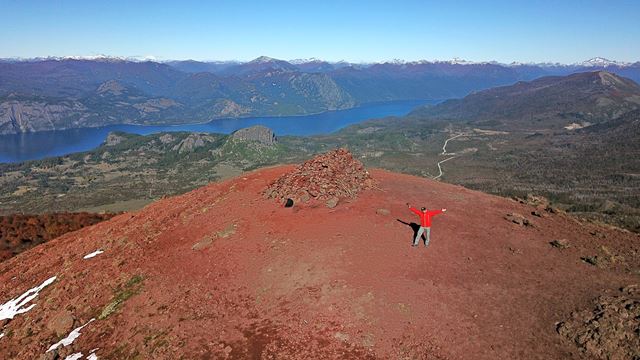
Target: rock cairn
[{"x": 328, "y": 178}]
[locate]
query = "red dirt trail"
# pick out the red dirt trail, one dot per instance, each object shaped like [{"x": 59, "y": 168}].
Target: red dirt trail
[{"x": 227, "y": 273}]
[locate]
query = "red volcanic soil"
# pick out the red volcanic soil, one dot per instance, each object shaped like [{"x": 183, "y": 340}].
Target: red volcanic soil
[
  {"x": 21, "y": 232},
  {"x": 223, "y": 272}
]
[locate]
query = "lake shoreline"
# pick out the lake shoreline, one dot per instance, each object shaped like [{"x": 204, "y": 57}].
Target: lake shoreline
[
  {"x": 271, "y": 117},
  {"x": 23, "y": 147}
]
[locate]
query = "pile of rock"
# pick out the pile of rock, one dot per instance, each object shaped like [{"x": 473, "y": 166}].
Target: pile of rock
[
  {"x": 328, "y": 178},
  {"x": 609, "y": 330}
]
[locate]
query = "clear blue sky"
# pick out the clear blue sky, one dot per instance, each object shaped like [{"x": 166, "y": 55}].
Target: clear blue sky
[{"x": 562, "y": 30}]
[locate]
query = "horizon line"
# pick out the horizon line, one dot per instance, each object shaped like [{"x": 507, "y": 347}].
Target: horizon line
[{"x": 454, "y": 60}]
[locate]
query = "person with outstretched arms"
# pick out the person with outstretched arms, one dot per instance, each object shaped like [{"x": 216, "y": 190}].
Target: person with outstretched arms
[{"x": 425, "y": 223}]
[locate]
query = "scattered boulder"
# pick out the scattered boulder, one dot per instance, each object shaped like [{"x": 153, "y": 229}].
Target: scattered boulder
[
  {"x": 515, "y": 251},
  {"x": 333, "y": 202},
  {"x": 226, "y": 232},
  {"x": 560, "y": 244},
  {"x": 609, "y": 330},
  {"x": 383, "y": 212},
  {"x": 61, "y": 323},
  {"x": 537, "y": 201},
  {"x": 591, "y": 260},
  {"x": 113, "y": 139},
  {"x": 541, "y": 203},
  {"x": 518, "y": 219},
  {"x": 258, "y": 133},
  {"x": 204, "y": 243},
  {"x": 328, "y": 178},
  {"x": 305, "y": 197},
  {"x": 538, "y": 213},
  {"x": 553, "y": 210},
  {"x": 534, "y": 200}
]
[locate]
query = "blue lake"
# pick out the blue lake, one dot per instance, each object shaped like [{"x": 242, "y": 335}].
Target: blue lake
[{"x": 29, "y": 146}]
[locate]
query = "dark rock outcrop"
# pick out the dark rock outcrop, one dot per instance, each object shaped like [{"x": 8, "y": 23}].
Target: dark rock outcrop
[{"x": 259, "y": 133}]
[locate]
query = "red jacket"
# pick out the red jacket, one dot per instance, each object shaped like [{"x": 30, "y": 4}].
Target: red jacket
[{"x": 425, "y": 217}]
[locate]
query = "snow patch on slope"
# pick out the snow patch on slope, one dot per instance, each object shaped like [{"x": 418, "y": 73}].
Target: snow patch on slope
[
  {"x": 93, "y": 254},
  {"x": 75, "y": 356},
  {"x": 73, "y": 335},
  {"x": 14, "y": 307},
  {"x": 79, "y": 355}
]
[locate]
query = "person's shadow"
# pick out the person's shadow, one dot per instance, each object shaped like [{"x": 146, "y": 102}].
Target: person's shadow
[{"x": 415, "y": 227}]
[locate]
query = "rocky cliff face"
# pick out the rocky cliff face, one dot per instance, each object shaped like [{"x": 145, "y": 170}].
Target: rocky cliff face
[
  {"x": 18, "y": 116},
  {"x": 192, "y": 142},
  {"x": 259, "y": 133}
]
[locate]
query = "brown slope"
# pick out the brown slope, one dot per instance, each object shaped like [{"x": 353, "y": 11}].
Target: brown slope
[{"x": 222, "y": 272}]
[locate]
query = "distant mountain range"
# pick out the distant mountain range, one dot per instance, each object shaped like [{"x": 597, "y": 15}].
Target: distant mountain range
[
  {"x": 60, "y": 93},
  {"x": 551, "y": 102}
]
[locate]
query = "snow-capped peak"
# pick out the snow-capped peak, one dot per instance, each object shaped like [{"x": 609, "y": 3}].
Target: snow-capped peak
[
  {"x": 458, "y": 61},
  {"x": 305, "y": 61},
  {"x": 539, "y": 64},
  {"x": 454, "y": 61},
  {"x": 602, "y": 62},
  {"x": 398, "y": 62},
  {"x": 96, "y": 58},
  {"x": 263, "y": 59}
]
